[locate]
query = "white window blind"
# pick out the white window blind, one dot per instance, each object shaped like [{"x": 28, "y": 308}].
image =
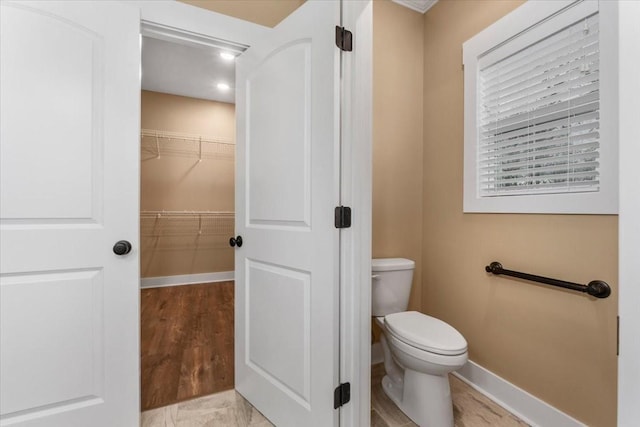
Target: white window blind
[{"x": 538, "y": 113}]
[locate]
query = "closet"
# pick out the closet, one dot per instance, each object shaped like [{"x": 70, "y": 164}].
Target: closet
[{"x": 187, "y": 216}]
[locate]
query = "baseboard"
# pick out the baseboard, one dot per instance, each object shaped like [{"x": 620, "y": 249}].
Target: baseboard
[
  {"x": 186, "y": 279},
  {"x": 524, "y": 405}
]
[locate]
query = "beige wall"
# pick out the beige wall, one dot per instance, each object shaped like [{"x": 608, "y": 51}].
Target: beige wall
[
  {"x": 178, "y": 181},
  {"x": 264, "y": 12},
  {"x": 397, "y": 136},
  {"x": 559, "y": 346},
  {"x": 556, "y": 345}
]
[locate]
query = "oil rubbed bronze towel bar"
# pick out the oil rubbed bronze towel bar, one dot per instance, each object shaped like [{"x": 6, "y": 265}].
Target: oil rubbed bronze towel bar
[{"x": 596, "y": 288}]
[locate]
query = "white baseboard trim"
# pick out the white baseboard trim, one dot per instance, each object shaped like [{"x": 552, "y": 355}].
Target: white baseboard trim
[
  {"x": 520, "y": 403},
  {"x": 186, "y": 279}
]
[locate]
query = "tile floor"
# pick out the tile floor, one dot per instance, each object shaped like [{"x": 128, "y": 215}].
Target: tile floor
[
  {"x": 470, "y": 408},
  {"x": 226, "y": 408}
]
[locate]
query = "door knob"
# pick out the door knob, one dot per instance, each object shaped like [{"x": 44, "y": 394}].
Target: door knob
[
  {"x": 122, "y": 247},
  {"x": 235, "y": 242}
]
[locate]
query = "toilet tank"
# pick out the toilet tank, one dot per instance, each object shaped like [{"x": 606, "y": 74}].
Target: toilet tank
[{"x": 390, "y": 285}]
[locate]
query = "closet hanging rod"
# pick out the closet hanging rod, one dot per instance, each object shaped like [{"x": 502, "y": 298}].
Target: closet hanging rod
[
  {"x": 184, "y": 137},
  {"x": 596, "y": 288}
]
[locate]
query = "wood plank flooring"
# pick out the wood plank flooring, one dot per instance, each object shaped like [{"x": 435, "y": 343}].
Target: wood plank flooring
[{"x": 186, "y": 342}]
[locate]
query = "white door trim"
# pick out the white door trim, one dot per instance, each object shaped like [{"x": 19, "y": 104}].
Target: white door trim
[
  {"x": 355, "y": 242},
  {"x": 193, "y": 22},
  {"x": 355, "y": 349},
  {"x": 629, "y": 212}
]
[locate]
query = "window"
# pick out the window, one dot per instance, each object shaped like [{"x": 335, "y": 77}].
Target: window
[{"x": 539, "y": 134}]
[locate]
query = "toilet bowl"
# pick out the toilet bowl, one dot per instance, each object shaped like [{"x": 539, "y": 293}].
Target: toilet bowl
[{"x": 419, "y": 350}]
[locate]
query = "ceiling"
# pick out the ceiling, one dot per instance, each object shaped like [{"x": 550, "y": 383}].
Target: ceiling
[
  {"x": 418, "y": 5},
  {"x": 186, "y": 70},
  {"x": 194, "y": 70}
]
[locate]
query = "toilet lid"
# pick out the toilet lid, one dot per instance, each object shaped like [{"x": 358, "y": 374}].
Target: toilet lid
[
  {"x": 392, "y": 264},
  {"x": 425, "y": 332}
]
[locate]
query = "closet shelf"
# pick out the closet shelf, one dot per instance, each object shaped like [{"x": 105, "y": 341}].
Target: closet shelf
[
  {"x": 155, "y": 143},
  {"x": 163, "y": 213},
  {"x": 184, "y": 137},
  {"x": 186, "y": 223}
]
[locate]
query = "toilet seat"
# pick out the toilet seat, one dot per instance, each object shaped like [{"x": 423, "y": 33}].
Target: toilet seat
[
  {"x": 446, "y": 362},
  {"x": 425, "y": 333}
]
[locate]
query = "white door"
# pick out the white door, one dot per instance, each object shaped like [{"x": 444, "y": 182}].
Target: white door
[
  {"x": 287, "y": 187},
  {"x": 69, "y": 154}
]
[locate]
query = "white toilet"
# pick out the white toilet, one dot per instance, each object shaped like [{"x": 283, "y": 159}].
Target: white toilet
[{"x": 419, "y": 350}]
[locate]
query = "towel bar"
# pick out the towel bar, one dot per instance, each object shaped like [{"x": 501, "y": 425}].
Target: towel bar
[{"x": 596, "y": 288}]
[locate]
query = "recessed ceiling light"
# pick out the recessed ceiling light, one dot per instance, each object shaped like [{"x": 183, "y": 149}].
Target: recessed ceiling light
[
  {"x": 227, "y": 56},
  {"x": 223, "y": 86}
]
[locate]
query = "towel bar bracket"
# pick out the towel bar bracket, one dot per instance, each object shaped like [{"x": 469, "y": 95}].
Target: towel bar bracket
[{"x": 598, "y": 289}]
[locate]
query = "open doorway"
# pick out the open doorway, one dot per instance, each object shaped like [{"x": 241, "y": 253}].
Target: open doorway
[
  {"x": 278, "y": 49},
  {"x": 186, "y": 220}
]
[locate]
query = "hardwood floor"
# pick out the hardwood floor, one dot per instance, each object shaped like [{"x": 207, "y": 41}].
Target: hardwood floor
[{"x": 186, "y": 342}]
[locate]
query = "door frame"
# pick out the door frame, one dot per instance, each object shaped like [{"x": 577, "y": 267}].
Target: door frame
[
  {"x": 629, "y": 212},
  {"x": 180, "y": 22},
  {"x": 356, "y": 182}
]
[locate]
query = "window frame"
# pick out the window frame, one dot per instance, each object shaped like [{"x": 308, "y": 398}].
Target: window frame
[{"x": 526, "y": 25}]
